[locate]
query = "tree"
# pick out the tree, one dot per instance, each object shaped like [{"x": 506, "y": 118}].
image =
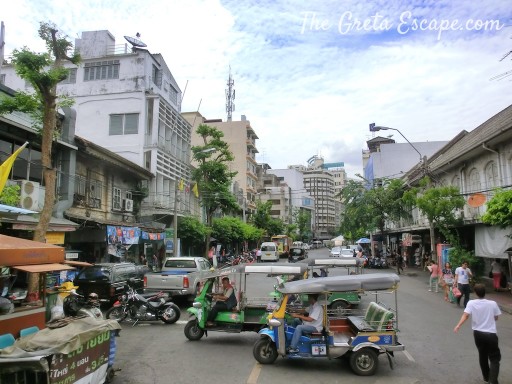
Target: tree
[
  {"x": 303, "y": 220},
  {"x": 43, "y": 71},
  {"x": 212, "y": 175},
  {"x": 191, "y": 232},
  {"x": 261, "y": 217},
  {"x": 369, "y": 209},
  {"x": 499, "y": 209},
  {"x": 10, "y": 195},
  {"x": 438, "y": 204}
]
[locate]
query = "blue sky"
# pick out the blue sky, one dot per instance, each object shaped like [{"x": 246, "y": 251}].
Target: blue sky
[{"x": 311, "y": 76}]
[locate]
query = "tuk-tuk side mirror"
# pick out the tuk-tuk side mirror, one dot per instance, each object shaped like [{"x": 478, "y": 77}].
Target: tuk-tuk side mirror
[
  {"x": 274, "y": 323},
  {"x": 197, "y": 304}
]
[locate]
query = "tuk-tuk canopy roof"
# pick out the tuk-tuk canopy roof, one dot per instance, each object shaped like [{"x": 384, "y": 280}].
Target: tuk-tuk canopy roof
[
  {"x": 368, "y": 282},
  {"x": 269, "y": 269},
  {"x": 333, "y": 262}
]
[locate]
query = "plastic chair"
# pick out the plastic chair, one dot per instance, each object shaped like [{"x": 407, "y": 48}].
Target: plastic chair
[
  {"x": 28, "y": 331},
  {"x": 6, "y": 340}
]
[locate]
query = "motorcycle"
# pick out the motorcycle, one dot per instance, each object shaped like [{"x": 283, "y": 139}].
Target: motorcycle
[
  {"x": 76, "y": 305},
  {"x": 138, "y": 307}
]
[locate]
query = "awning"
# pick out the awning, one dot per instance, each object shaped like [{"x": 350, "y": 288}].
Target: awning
[
  {"x": 29, "y": 223},
  {"x": 40, "y": 268},
  {"x": 77, "y": 263},
  {"x": 14, "y": 211}
]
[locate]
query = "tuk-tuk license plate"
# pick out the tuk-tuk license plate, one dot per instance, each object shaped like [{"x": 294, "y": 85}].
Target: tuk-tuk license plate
[{"x": 318, "y": 350}]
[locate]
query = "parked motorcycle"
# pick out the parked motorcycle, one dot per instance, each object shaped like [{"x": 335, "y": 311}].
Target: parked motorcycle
[
  {"x": 138, "y": 307},
  {"x": 77, "y": 305}
]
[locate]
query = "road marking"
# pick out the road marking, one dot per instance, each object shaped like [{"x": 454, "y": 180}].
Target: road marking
[
  {"x": 253, "y": 377},
  {"x": 182, "y": 322},
  {"x": 408, "y": 355}
]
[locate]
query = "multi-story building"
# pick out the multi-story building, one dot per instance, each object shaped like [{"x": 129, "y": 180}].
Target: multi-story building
[
  {"x": 128, "y": 102},
  {"x": 241, "y": 138}
]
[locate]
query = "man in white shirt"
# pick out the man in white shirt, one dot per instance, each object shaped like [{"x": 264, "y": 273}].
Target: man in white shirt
[
  {"x": 484, "y": 314},
  {"x": 313, "y": 322},
  {"x": 462, "y": 276}
]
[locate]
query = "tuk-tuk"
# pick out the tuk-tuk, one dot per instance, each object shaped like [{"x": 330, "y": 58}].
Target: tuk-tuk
[
  {"x": 336, "y": 300},
  {"x": 250, "y": 313},
  {"x": 362, "y": 338},
  {"x": 77, "y": 351}
]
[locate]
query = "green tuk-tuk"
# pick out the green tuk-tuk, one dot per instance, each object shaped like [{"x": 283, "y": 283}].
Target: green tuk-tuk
[{"x": 250, "y": 313}]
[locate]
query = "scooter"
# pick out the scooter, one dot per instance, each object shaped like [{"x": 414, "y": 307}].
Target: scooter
[
  {"x": 137, "y": 307},
  {"x": 76, "y": 305}
]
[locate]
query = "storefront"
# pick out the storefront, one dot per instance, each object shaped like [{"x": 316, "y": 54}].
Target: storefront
[{"x": 19, "y": 259}]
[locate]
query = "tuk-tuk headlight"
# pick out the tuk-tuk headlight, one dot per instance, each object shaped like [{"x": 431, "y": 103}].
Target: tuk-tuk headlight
[
  {"x": 274, "y": 323},
  {"x": 197, "y": 304}
]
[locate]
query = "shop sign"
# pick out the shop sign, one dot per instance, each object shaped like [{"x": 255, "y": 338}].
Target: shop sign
[{"x": 54, "y": 237}]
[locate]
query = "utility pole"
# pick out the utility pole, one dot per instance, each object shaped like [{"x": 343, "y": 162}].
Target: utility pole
[{"x": 175, "y": 249}]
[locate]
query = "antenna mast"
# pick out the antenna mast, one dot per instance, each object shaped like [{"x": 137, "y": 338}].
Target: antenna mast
[{"x": 230, "y": 96}]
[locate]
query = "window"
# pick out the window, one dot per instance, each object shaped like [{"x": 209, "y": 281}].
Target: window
[
  {"x": 474, "y": 181},
  {"x": 124, "y": 124},
  {"x": 101, "y": 70},
  {"x": 491, "y": 175},
  {"x": 116, "y": 199},
  {"x": 70, "y": 78},
  {"x": 156, "y": 76},
  {"x": 173, "y": 94}
]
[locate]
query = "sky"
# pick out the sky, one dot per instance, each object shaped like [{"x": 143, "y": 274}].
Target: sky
[{"x": 311, "y": 76}]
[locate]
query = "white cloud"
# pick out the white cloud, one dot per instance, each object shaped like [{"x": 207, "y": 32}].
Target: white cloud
[{"x": 313, "y": 92}]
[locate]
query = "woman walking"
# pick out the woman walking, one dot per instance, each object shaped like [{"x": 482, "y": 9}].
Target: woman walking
[
  {"x": 496, "y": 273},
  {"x": 447, "y": 276}
]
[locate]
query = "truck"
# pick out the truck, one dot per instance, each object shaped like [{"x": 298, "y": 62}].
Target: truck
[
  {"x": 283, "y": 244},
  {"x": 180, "y": 276}
]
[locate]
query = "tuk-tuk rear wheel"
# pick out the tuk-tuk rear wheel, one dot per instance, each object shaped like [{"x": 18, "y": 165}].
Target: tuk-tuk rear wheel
[
  {"x": 265, "y": 351},
  {"x": 364, "y": 362},
  {"x": 192, "y": 330}
]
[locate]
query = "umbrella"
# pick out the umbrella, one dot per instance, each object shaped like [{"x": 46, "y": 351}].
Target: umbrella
[{"x": 363, "y": 240}]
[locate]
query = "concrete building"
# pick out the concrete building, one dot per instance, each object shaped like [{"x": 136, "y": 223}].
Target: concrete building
[
  {"x": 241, "y": 138},
  {"x": 128, "y": 102}
]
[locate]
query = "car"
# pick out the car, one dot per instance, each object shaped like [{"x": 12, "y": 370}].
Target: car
[
  {"x": 347, "y": 252},
  {"x": 335, "y": 252},
  {"x": 296, "y": 254},
  {"x": 108, "y": 280}
]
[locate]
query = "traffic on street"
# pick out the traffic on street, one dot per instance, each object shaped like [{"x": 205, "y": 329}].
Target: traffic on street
[{"x": 156, "y": 353}]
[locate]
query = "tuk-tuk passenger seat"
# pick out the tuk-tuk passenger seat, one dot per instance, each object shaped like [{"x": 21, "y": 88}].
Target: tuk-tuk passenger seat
[{"x": 377, "y": 318}]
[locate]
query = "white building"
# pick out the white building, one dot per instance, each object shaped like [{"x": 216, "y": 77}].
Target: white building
[{"x": 128, "y": 102}]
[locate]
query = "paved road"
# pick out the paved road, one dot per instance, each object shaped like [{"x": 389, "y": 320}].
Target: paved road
[{"x": 158, "y": 353}]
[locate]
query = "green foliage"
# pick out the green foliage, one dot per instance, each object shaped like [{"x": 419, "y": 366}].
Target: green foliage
[
  {"x": 191, "y": 232},
  {"x": 291, "y": 231},
  {"x": 499, "y": 209},
  {"x": 10, "y": 195},
  {"x": 438, "y": 204},
  {"x": 228, "y": 230},
  {"x": 262, "y": 215},
  {"x": 212, "y": 174},
  {"x": 275, "y": 227},
  {"x": 252, "y": 234},
  {"x": 303, "y": 220},
  {"x": 369, "y": 209}
]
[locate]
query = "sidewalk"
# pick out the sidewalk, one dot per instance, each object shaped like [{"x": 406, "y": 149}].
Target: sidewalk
[{"x": 503, "y": 298}]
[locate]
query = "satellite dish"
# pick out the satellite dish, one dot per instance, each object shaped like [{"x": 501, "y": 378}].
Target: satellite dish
[
  {"x": 135, "y": 42},
  {"x": 476, "y": 200}
]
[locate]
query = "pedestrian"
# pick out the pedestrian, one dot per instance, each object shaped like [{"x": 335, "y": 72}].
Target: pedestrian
[
  {"x": 484, "y": 314},
  {"x": 496, "y": 274},
  {"x": 434, "y": 276},
  {"x": 447, "y": 280},
  {"x": 399, "y": 263},
  {"x": 461, "y": 281},
  {"x": 258, "y": 255}
]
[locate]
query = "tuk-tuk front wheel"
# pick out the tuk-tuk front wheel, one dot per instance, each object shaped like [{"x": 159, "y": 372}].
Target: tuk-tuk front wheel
[
  {"x": 364, "y": 362},
  {"x": 192, "y": 330},
  {"x": 265, "y": 351}
]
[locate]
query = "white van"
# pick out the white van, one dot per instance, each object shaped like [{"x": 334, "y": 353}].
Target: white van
[{"x": 269, "y": 252}]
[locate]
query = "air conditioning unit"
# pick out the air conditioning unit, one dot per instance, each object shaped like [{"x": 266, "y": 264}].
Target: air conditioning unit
[
  {"x": 29, "y": 198},
  {"x": 128, "y": 205}
]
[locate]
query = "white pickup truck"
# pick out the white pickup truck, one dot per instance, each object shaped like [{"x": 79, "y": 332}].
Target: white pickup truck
[{"x": 180, "y": 276}]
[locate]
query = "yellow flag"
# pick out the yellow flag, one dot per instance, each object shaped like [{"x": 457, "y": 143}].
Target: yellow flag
[
  {"x": 6, "y": 166},
  {"x": 180, "y": 186},
  {"x": 195, "y": 190}
]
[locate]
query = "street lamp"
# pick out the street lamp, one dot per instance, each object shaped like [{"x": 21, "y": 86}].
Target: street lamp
[{"x": 376, "y": 128}]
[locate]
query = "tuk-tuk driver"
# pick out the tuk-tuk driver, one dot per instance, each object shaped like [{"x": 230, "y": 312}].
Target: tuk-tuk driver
[
  {"x": 225, "y": 301},
  {"x": 310, "y": 322}
]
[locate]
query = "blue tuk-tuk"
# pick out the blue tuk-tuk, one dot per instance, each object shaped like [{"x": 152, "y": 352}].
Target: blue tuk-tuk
[{"x": 361, "y": 337}]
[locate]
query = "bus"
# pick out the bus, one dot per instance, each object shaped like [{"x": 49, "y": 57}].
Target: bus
[{"x": 283, "y": 243}]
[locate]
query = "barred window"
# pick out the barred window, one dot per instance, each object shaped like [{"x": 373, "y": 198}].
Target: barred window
[
  {"x": 116, "y": 199},
  {"x": 124, "y": 124},
  {"x": 101, "y": 70}
]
